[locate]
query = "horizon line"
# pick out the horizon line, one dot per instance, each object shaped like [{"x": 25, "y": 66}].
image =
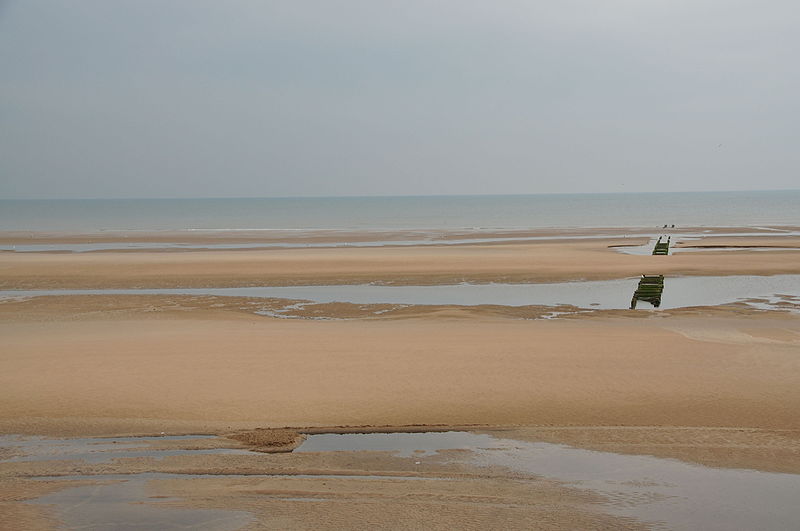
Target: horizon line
[{"x": 384, "y": 196}]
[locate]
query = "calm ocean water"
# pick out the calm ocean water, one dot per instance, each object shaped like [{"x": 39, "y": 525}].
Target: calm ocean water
[{"x": 429, "y": 212}]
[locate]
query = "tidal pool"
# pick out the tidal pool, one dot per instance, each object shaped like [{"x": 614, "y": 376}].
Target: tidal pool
[
  {"x": 679, "y": 292},
  {"x": 664, "y": 492},
  {"x": 121, "y": 502},
  {"x": 102, "y": 449},
  {"x": 403, "y": 444}
]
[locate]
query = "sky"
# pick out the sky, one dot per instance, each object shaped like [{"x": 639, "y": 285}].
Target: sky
[{"x": 202, "y": 98}]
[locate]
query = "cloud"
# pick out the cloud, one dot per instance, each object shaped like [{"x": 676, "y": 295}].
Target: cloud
[{"x": 201, "y": 98}]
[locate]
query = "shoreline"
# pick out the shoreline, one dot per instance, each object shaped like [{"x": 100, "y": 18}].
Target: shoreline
[{"x": 11, "y": 237}]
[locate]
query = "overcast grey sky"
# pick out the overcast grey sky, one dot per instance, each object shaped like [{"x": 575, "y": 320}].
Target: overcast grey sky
[{"x": 202, "y": 98}]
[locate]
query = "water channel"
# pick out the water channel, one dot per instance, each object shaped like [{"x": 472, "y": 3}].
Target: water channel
[{"x": 679, "y": 292}]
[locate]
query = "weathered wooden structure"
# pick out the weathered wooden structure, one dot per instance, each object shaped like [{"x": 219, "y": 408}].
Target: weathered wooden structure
[
  {"x": 662, "y": 247},
  {"x": 649, "y": 290}
]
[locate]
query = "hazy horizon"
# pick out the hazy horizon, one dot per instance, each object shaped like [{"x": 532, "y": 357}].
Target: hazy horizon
[
  {"x": 378, "y": 196},
  {"x": 145, "y": 99},
  {"x": 463, "y": 212}
]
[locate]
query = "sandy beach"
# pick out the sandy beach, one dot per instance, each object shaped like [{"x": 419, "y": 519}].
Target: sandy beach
[
  {"x": 716, "y": 386},
  {"x": 212, "y": 371},
  {"x": 428, "y": 266}
]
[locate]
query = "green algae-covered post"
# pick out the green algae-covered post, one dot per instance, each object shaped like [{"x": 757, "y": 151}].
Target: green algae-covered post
[
  {"x": 649, "y": 290},
  {"x": 662, "y": 248}
]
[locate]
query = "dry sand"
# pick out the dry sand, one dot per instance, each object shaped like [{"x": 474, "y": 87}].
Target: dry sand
[
  {"x": 213, "y": 370},
  {"x": 510, "y": 262}
]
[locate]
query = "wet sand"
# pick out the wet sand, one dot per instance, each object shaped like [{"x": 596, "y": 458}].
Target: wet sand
[
  {"x": 200, "y": 236},
  {"x": 472, "y": 481},
  {"x": 304, "y": 491},
  {"x": 716, "y": 386}
]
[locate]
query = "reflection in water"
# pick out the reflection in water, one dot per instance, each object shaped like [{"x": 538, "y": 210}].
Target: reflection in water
[
  {"x": 122, "y": 502},
  {"x": 661, "y": 491},
  {"x": 104, "y": 449},
  {"x": 403, "y": 444},
  {"x": 595, "y": 294},
  {"x": 666, "y": 491},
  {"x": 661, "y": 247}
]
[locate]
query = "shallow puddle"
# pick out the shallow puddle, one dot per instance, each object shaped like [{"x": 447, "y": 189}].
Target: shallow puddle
[
  {"x": 679, "y": 292},
  {"x": 402, "y": 444},
  {"x": 678, "y": 494},
  {"x": 675, "y": 494},
  {"x": 122, "y": 502},
  {"x": 102, "y": 450}
]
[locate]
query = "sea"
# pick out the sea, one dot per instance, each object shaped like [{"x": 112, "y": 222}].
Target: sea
[{"x": 484, "y": 212}]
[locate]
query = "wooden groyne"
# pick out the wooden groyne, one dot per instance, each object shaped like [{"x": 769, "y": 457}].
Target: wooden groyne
[
  {"x": 662, "y": 247},
  {"x": 649, "y": 290}
]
